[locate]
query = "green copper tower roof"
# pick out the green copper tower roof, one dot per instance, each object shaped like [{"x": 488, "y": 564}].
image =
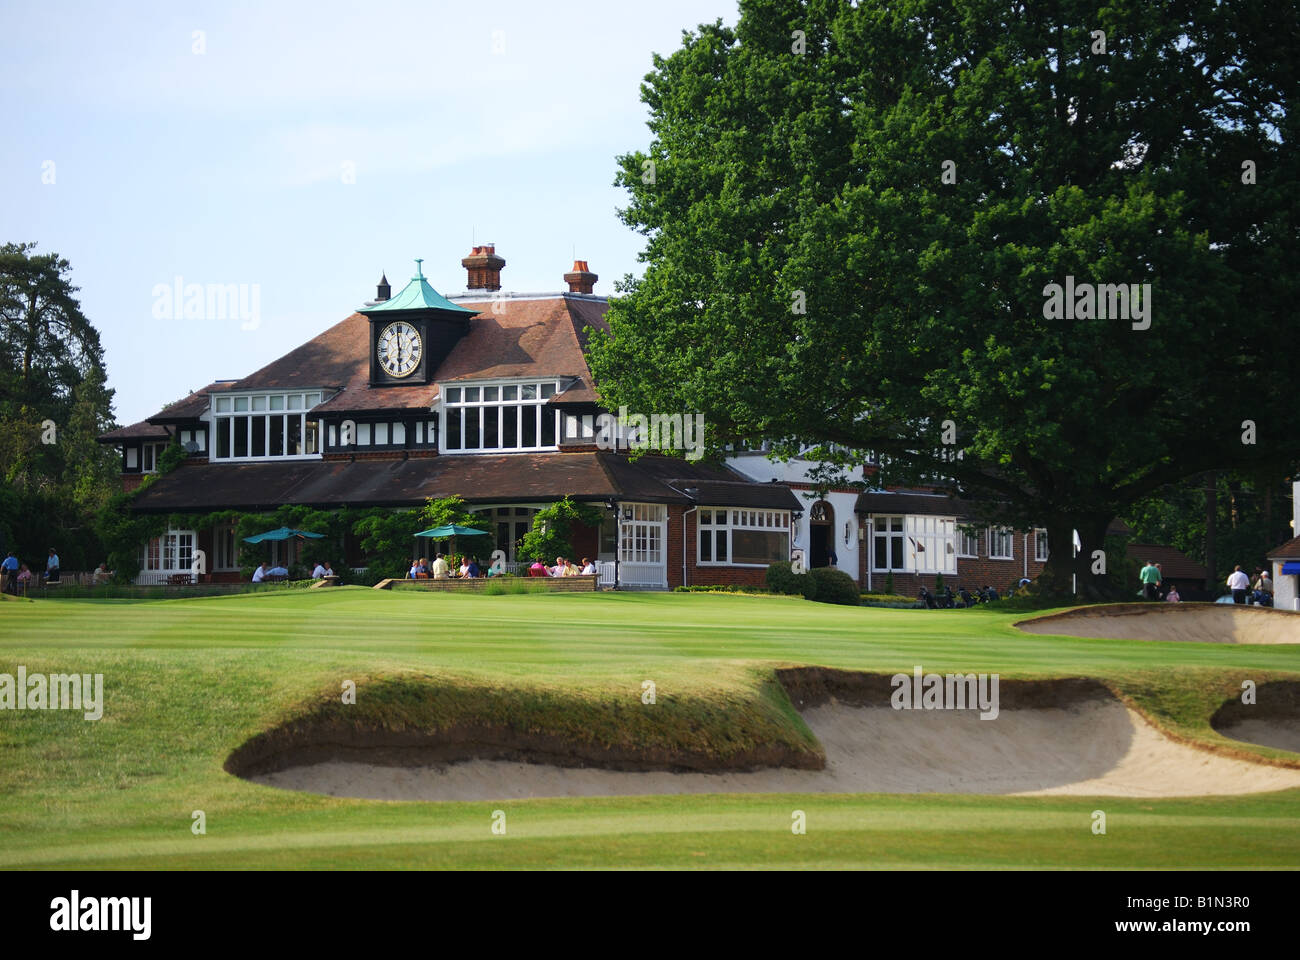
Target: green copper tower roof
[{"x": 417, "y": 295}]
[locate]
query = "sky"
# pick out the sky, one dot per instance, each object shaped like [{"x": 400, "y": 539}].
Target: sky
[{"x": 297, "y": 150}]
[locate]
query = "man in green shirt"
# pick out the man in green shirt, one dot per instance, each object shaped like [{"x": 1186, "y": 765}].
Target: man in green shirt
[{"x": 1150, "y": 577}]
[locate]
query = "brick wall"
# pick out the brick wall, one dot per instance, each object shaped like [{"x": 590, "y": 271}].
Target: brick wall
[
  {"x": 696, "y": 575},
  {"x": 972, "y": 572}
]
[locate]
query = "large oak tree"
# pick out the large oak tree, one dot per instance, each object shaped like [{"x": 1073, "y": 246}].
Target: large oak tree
[{"x": 852, "y": 213}]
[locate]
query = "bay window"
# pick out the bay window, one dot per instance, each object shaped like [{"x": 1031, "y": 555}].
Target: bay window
[{"x": 742, "y": 537}]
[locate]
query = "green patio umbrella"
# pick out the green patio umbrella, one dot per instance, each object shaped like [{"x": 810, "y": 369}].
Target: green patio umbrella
[
  {"x": 282, "y": 533},
  {"x": 450, "y": 531}
]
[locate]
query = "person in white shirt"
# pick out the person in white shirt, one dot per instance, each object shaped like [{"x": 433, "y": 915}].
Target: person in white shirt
[
  {"x": 319, "y": 572},
  {"x": 440, "y": 567},
  {"x": 588, "y": 568},
  {"x": 1238, "y": 583},
  {"x": 260, "y": 573}
]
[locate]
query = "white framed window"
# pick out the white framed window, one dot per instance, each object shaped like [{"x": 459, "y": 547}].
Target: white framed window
[
  {"x": 931, "y": 544},
  {"x": 270, "y": 426},
  {"x": 968, "y": 543},
  {"x": 173, "y": 552},
  {"x": 489, "y": 417},
  {"x": 888, "y": 542},
  {"x": 1040, "y": 545},
  {"x": 742, "y": 538},
  {"x": 149, "y": 454},
  {"x": 132, "y": 458},
  {"x": 1002, "y": 543},
  {"x": 642, "y": 537},
  {"x": 914, "y": 544}
]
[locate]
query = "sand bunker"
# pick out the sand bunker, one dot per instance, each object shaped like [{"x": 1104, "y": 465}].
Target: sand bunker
[
  {"x": 1273, "y": 720},
  {"x": 1190, "y": 622},
  {"x": 1094, "y": 746}
]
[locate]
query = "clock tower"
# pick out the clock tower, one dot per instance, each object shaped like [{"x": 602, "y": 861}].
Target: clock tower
[{"x": 412, "y": 333}]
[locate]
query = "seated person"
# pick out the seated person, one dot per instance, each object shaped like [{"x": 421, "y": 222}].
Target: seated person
[
  {"x": 24, "y": 578},
  {"x": 260, "y": 573},
  {"x": 472, "y": 568},
  {"x": 439, "y": 568},
  {"x": 1172, "y": 596},
  {"x": 498, "y": 567},
  {"x": 464, "y": 567},
  {"x": 538, "y": 569},
  {"x": 102, "y": 573},
  {"x": 588, "y": 567},
  {"x": 278, "y": 571},
  {"x": 319, "y": 572},
  {"x": 558, "y": 569}
]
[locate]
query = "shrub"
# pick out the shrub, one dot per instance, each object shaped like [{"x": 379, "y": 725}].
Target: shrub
[
  {"x": 834, "y": 586},
  {"x": 781, "y": 578},
  {"x": 889, "y": 583},
  {"x": 938, "y": 583}
]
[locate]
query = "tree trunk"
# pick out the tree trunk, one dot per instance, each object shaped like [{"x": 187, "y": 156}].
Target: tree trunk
[
  {"x": 1067, "y": 575},
  {"x": 1211, "y": 512}
]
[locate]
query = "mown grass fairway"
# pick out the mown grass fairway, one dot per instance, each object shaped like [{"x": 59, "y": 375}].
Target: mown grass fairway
[{"x": 188, "y": 681}]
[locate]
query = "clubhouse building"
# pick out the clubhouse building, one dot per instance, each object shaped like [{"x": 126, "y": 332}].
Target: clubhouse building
[{"x": 486, "y": 395}]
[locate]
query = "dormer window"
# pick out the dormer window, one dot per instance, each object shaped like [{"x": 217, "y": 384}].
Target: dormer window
[
  {"x": 492, "y": 417},
  {"x": 266, "y": 426}
]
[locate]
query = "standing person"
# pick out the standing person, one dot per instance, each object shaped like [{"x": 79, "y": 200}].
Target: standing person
[
  {"x": 52, "y": 567},
  {"x": 8, "y": 572},
  {"x": 1172, "y": 596},
  {"x": 1150, "y": 577},
  {"x": 1263, "y": 583},
  {"x": 1160, "y": 582},
  {"x": 1238, "y": 583}
]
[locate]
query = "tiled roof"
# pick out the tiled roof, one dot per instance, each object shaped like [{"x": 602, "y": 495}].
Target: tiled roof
[
  {"x": 489, "y": 478},
  {"x": 144, "y": 430},
  {"x": 188, "y": 408},
  {"x": 1287, "y": 551},
  {"x": 510, "y": 338},
  {"x": 1174, "y": 565}
]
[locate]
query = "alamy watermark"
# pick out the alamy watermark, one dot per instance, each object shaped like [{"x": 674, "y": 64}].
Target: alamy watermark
[
  {"x": 656, "y": 431},
  {"x": 953, "y": 691},
  {"x": 208, "y": 301},
  {"x": 1104, "y": 301},
  {"x": 55, "y": 691}
]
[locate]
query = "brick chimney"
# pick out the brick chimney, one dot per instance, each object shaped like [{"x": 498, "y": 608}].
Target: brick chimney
[
  {"x": 484, "y": 268},
  {"x": 580, "y": 279}
]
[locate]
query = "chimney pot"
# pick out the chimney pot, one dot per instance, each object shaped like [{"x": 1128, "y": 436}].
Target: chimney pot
[
  {"x": 580, "y": 279},
  {"x": 484, "y": 267}
]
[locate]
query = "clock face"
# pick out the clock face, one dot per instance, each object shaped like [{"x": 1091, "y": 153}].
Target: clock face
[{"x": 399, "y": 349}]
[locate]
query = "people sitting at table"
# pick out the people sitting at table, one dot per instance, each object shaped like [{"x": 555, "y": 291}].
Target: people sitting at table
[
  {"x": 588, "y": 567},
  {"x": 260, "y": 573}
]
